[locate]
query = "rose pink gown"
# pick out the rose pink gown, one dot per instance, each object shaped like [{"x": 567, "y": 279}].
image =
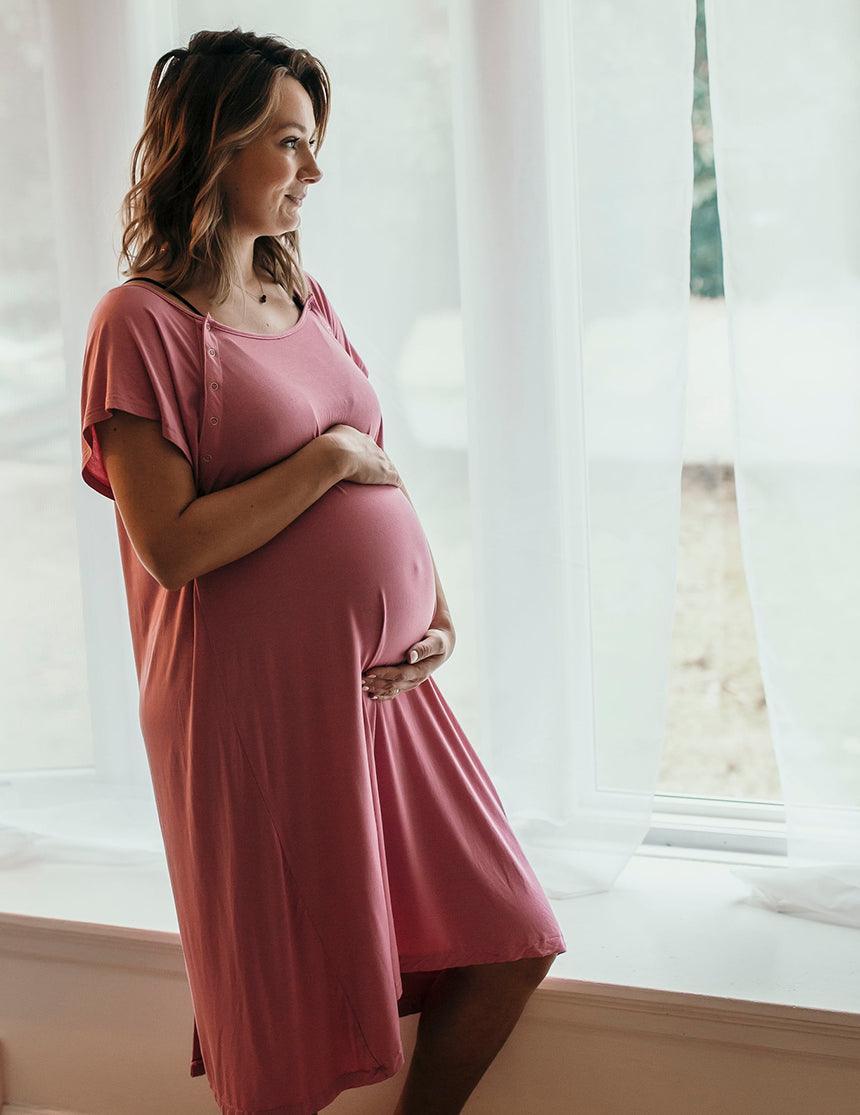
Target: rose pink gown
[{"x": 329, "y": 855}]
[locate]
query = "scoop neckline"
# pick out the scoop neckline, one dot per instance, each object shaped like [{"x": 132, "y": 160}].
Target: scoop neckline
[{"x": 213, "y": 323}]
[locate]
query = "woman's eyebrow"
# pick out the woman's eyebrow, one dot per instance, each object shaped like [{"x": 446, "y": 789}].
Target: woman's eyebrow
[{"x": 290, "y": 124}]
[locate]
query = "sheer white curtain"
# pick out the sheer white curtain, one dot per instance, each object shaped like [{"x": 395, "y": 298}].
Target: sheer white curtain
[
  {"x": 96, "y": 59},
  {"x": 785, "y": 103},
  {"x": 574, "y": 174}
]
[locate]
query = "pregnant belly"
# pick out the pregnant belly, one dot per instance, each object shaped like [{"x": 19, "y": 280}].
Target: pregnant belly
[{"x": 353, "y": 571}]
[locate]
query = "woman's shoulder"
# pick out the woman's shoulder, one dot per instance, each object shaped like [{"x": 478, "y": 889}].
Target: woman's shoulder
[
  {"x": 140, "y": 301},
  {"x": 155, "y": 284},
  {"x": 316, "y": 289},
  {"x": 142, "y": 315},
  {"x": 128, "y": 292},
  {"x": 313, "y": 283}
]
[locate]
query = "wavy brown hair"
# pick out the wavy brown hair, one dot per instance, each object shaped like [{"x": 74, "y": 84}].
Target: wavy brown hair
[{"x": 205, "y": 102}]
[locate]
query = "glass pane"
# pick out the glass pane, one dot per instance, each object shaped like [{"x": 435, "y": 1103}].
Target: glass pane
[{"x": 718, "y": 741}]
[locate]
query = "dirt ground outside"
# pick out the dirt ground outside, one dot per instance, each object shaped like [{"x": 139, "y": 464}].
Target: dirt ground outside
[{"x": 718, "y": 742}]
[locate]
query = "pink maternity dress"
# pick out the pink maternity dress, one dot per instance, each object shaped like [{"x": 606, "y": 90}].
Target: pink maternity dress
[{"x": 329, "y": 855}]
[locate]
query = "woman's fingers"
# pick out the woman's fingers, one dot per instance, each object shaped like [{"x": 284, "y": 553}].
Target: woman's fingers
[
  {"x": 387, "y": 694},
  {"x": 384, "y": 688},
  {"x": 381, "y": 687}
]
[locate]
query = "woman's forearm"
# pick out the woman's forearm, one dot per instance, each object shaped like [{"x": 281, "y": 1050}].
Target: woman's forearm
[{"x": 229, "y": 523}]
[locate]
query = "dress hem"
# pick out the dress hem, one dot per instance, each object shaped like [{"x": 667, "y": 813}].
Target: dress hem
[
  {"x": 359, "y": 1077},
  {"x": 354, "y": 1079},
  {"x": 457, "y": 959}
]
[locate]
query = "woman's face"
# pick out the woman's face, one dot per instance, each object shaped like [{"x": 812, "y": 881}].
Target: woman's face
[{"x": 279, "y": 163}]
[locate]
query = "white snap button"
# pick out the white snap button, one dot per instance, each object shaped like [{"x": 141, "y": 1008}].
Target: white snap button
[
  {"x": 211, "y": 351},
  {"x": 207, "y": 456},
  {"x": 213, "y": 420},
  {"x": 214, "y": 384}
]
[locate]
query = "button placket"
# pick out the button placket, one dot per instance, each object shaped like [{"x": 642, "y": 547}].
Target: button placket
[{"x": 212, "y": 388}]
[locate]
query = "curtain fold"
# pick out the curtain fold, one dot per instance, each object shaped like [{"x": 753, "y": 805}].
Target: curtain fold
[
  {"x": 785, "y": 103},
  {"x": 574, "y": 206}
]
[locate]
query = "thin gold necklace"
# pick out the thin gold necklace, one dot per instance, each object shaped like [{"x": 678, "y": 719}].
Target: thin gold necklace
[{"x": 262, "y": 297}]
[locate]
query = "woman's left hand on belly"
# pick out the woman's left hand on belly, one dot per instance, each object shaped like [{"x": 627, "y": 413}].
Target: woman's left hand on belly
[{"x": 383, "y": 683}]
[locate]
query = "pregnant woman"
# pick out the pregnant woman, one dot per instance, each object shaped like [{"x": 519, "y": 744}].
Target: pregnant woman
[{"x": 338, "y": 855}]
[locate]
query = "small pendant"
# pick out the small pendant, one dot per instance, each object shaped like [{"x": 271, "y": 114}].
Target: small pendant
[{"x": 262, "y": 298}]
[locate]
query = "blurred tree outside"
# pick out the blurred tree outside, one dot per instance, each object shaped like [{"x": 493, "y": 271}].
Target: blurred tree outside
[{"x": 706, "y": 251}]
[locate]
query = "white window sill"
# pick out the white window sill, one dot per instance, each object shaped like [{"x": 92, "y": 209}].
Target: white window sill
[
  {"x": 676, "y": 921},
  {"x": 671, "y": 923}
]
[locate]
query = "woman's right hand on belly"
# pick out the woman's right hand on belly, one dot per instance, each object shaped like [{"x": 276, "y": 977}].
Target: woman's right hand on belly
[{"x": 363, "y": 462}]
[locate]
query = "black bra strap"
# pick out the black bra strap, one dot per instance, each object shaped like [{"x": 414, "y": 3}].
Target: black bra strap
[{"x": 144, "y": 279}]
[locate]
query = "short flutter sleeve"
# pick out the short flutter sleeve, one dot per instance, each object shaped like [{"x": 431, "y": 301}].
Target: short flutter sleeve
[
  {"x": 334, "y": 322},
  {"x": 127, "y": 366}
]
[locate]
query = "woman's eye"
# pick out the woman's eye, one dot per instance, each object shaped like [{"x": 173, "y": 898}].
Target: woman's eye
[{"x": 297, "y": 139}]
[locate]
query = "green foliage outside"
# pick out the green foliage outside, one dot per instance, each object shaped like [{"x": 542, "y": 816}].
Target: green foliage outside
[{"x": 706, "y": 250}]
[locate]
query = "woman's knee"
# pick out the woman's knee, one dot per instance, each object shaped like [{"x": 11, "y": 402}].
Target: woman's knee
[
  {"x": 534, "y": 968},
  {"x": 529, "y": 970}
]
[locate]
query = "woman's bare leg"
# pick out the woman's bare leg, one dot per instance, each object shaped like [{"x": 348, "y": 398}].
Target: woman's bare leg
[{"x": 467, "y": 1017}]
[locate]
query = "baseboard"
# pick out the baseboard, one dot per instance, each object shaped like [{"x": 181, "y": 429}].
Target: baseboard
[
  {"x": 17, "y": 1109},
  {"x": 98, "y": 1021}
]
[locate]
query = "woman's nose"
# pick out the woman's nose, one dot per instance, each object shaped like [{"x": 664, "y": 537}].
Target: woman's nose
[{"x": 313, "y": 172}]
